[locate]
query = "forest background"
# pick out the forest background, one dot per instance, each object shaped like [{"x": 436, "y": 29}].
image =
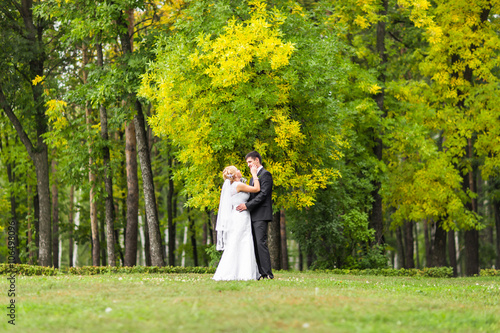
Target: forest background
[{"x": 379, "y": 120}]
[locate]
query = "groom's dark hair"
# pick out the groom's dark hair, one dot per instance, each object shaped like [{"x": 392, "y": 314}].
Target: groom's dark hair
[{"x": 254, "y": 155}]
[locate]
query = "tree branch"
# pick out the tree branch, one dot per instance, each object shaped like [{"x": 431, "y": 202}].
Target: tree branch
[
  {"x": 142, "y": 28},
  {"x": 17, "y": 124},
  {"x": 397, "y": 39}
]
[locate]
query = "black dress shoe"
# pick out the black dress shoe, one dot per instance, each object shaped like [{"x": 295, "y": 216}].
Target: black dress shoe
[{"x": 262, "y": 277}]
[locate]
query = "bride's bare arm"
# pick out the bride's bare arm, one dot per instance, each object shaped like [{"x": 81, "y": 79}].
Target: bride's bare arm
[{"x": 250, "y": 189}]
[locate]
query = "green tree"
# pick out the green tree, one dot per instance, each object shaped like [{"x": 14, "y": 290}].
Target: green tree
[{"x": 30, "y": 56}]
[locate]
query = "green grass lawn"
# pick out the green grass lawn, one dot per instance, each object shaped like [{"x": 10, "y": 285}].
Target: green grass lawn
[{"x": 302, "y": 302}]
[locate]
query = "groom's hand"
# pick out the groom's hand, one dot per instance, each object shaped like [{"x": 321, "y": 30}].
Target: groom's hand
[{"x": 241, "y": 207}]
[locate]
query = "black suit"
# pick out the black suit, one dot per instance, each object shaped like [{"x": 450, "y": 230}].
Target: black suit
[{"x": 260, "y": 206}]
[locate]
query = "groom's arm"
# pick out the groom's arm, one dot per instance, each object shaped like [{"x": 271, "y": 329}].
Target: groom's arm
[{"x": 266, "y": 186}]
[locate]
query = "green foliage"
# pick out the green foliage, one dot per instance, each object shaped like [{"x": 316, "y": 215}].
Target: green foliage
[
  {"x": 27, "y": 270},
  {"x": 489, "y": 272},
  {"x": 451, "y": 105},
  {"x": 299, "y": 83},
  {"x": 214, "y": 255},
  {"x": 431, "y": 272},
  {"x": 93, "y": 270},
  {"x": 374, "y": 258},
  {"x": 31, "y": 270},
  {"x": 334, "y": 227}
]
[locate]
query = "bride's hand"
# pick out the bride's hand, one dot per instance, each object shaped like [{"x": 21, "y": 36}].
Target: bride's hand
[{"x": 253, "y": 170}]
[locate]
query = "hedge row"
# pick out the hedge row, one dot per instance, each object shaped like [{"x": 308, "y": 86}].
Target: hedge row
[
  {"x": 439, "y": 272},
  {"x": 28, "y": 270},
  {"x": 490, "y": 272},
  {"x": 93, "y": 270}
]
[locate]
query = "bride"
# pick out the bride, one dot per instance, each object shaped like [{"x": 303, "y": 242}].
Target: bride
[{"x": 234, "y": 231}]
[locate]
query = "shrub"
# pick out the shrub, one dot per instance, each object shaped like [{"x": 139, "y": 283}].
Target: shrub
[
  {"x": 489, "y": 272},
  {"x": 93, "y": 270},
  {"x": 27, "y": 270},
  {"x": 214, "y": 255},
  {"x": 439, "y": 272}
]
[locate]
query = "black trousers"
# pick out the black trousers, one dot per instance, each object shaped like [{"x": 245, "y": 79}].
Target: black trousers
[{"x": 259, "y": 233}]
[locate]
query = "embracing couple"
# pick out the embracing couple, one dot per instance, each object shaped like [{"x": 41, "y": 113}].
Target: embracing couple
[{"x": 244, "y": 212}]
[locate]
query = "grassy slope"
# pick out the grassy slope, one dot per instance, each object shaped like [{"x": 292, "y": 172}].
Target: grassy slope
[{"x": 291, "y": 302}]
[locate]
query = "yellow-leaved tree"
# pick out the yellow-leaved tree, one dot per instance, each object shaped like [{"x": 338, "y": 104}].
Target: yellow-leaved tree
[
  {"x": 223, "y": 89},
  {"x": 459, "y": 103}
]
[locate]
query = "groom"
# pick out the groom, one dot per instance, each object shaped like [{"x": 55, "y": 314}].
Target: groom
[{"x": 261, "y": 213}]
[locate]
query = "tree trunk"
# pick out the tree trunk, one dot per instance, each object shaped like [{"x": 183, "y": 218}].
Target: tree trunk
[
  {"x": 301, "y": 259},
  {"x": 471, "y": 240},
  {"x": 400, "y": 249},
  {"x": 376, "y": 215},
  {"x": 416, "y": 246},
  {"x": 147, "y": 243},
  {"x": 103, "y": 248},
  {"x": 184, "y": 242},
  {"x": 149, "y": 188},
  {"x": 77, "y": 224},
  {"x": 452, "y": 252},
  {"x": 132, "y": 196},
  {"x": 108, "y": 178},
  {"x": 428, "y": 251},
  {"x": 471, "y": 237},
  {"x": 212, "y": 219},
  {"x": 438, "y": 258},
  {"x": 170, "y": 216},
  {"x": 205, "y": 242},
  {"x": 13, "y": 213},
  {"x": 408, "y": 236},
  {"x": 284, "y": 247},
  {"x": 192, "y": 232},
  {"x": 144, "y": 155},
  {"x": 496, "y": 207},
  {"x": 119, "y": 247},
  {"x": 36, "y": 208},
  {"x": 274, "y": 241},
  {"x": 55, "y": 217},
  {"x": 13, "y": 206},
  {"x": 71, "y": 225},
  {"x": 310, "y": 258},
  {"x": 94, "y": 227},
  {"x": 44, "y": 226},
  {"x": 29, "y": 242}
]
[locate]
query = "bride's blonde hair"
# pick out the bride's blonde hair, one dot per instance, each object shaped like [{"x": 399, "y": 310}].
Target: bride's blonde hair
[{"x": 229, "y": 173}]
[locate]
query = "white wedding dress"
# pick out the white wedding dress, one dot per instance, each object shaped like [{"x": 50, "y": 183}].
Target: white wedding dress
[{"x": 238, "y": 259}]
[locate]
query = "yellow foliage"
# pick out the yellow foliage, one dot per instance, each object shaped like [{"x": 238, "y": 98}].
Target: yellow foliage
[
  {"x": 360, "y": 13},
  {"x": 362, "y": 22},
  {"x": 193, "y": 91},
  {"x": 230, "y": 53},
  {"x": 375, "y": 89},
  {"x": 37, "y": 79},
  {"x": 57, "y": 119}
]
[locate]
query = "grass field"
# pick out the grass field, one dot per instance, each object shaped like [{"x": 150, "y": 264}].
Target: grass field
[{"x": 292, "y": 302}]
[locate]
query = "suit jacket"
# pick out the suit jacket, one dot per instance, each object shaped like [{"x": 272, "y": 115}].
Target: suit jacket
[{"x": 260, "y": 205}]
